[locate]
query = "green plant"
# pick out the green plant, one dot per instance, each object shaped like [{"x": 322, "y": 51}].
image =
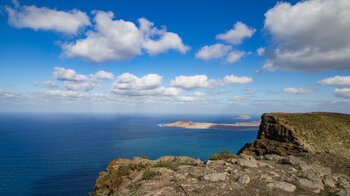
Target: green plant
[
  {"x": 160, "y": 164},
  {"x": 221, "y": 155},
  {"x": 134, "y": 187},
  {"x": 178, "y": 188},
  {"x": 149, "y": 174}
]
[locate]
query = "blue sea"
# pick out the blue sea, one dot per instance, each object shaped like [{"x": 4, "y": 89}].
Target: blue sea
[{"x": 62, "y": 154}]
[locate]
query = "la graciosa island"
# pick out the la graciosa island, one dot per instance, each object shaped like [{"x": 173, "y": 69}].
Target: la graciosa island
[{"x": 186, "y": 124}]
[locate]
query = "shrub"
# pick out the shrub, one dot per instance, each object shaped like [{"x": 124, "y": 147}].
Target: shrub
[
  {"x": 222, "y": 154},
  {"x": 160, "y": 164},
  {"x": 149, "y": 174}
]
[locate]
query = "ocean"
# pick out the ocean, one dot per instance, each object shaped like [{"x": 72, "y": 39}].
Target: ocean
[{"x": 62, "y": 154}]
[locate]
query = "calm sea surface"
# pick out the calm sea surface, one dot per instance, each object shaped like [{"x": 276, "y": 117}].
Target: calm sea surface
[{"x": 63, "y": 154}]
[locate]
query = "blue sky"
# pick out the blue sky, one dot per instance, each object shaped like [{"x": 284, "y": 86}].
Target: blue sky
[{"x": 175, "y": 56}]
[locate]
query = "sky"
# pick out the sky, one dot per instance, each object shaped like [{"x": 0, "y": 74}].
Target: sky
[{"x": 174, "y": 57}]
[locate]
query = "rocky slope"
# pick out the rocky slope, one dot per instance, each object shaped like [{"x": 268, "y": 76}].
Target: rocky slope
[
  {"x": 294, "y": 154},
  {"x": 237, "y": 175}
]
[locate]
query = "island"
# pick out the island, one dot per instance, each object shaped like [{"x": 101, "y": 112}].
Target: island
[{"x": 204, "y": 125}]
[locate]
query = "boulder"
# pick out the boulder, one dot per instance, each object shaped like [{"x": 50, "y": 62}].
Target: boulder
[
  {"x": 214, "y": 177},
  {"x": 285, "y": 186}
]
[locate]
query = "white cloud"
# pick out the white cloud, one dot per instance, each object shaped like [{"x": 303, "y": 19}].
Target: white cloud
[
  {"x": 63, "y": 74},
  {"x": 149, "y": 85},
  {"x": 310, "y": 36},
  {"x": 104, "y": 75},
  {"x": 190, "y": 82},
  {"x": 8, "y": 94},
  {"x": 237, "y": 34},
  {"x": 166, "y": 41},
  {"x": 213, "y": 51},
  {"x": 119, "y": 40},
  {"x": 187, "y": 99},
  {"x": 231, "y": 79},
  {"x": 43, "y": 18},
  {"x": 342, "y": 92},
  {"x": 260, "y": 51},
  {"x": 199, "y": 94},
  {"x": 298, "y": 90},
  {"x": 47, "y": 84},
  {"x": 79, "y": 82},
  {"x": 336, "y": 81},
  {"x": 201, "y": 81},
  {"x": 66, "y": 94},
  {"x": 234, "y": 56},
  {"x": 81, "y": 86}
]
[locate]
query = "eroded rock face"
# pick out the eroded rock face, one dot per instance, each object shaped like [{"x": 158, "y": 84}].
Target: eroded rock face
[
  {"x": 270, "y": 175},
  {"x": 293, "y": 133}
]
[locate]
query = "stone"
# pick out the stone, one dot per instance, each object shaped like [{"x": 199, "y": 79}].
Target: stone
[
  {"x": 214, "y": 177},
  {"x": 285, "y": 186},
  {"x": 342, "y": 179},
  {"x": 302, "y": 166},
  {"x": 264, "y": 177},
  {"x": 343, "y": 192},
  {"x": 244, "y": 179},
  {"x": 274, "y": 174},
  {"x": 261, "y": 164},
  {"x": 272, "y": 157},
  {"x": 320, "y": 170},
  {"x": 317, "y": 190},
  {"x": 309, "y": 174},
  {"x": 309, "y": 184},
  {"x": 247, "y": 161},
  {"x": 328, "y": 181}
]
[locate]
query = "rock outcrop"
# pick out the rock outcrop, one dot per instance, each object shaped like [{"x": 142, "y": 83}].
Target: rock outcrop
[
  {"x": 237, "y": 175},
  {"x": 286, "y": 133}
]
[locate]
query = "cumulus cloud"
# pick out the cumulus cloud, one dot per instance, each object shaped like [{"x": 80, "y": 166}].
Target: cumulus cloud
[
  {"x": 234, "y": 56},
  {"x": 298, "y": 90},
  {"x": 119, "y": 40},
  {"x": 336, "y": 81},
  {"x": 79, "y": 82},
  {"x": 190, "y": 82},
  {"x": 104, "y": 75},
  {"x": 213, "y": 51},
  {"x": 310, "y": 36},
  {"x": 166, "y": 41},
  {"x": 342, "y": 92},
  {"x": 201, "y": 81},
  {"x": 47, "y": 84},
  {"x": 237, "y": 34},
  {"x": 43, "y": 18},
  {"x": 61, "y": 73},
  {"x": 149, "y": 85},
  {"x": 231, "y": 79}
]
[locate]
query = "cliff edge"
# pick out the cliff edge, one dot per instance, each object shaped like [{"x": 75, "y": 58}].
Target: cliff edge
[{"x": 298, "y": 133}]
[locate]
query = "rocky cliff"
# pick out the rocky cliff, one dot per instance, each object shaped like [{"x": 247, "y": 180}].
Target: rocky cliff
[
  {"x": 293, "y": 133},
  {"x": 294, "y": 154}
]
